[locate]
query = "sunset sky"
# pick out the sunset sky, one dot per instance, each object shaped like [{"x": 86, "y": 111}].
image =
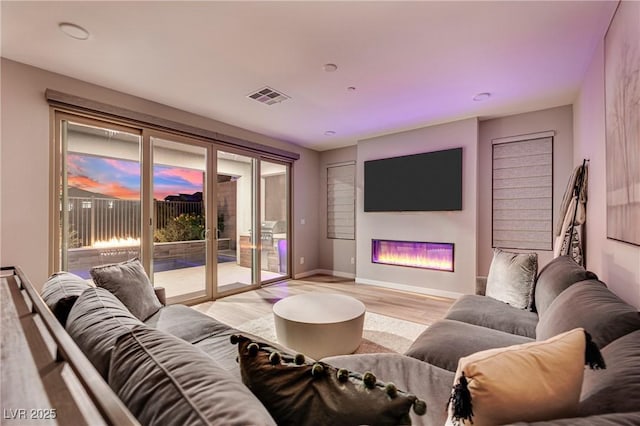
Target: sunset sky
[{"x": 121, "y": 178}]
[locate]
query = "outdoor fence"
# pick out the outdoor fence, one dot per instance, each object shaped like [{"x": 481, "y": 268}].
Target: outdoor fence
[{"x": 94, "y": 219}]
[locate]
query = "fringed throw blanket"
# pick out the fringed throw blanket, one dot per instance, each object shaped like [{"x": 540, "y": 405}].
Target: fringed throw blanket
[{"x": 569, "y": 230}]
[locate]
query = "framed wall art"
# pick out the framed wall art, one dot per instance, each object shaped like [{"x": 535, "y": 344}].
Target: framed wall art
[{"x": 622, "y": 111}]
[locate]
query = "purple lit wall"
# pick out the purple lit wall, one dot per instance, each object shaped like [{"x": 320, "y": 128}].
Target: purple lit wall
[{"x": 438, "y": 256}]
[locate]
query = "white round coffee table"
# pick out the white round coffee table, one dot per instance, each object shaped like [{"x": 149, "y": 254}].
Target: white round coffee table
[{"x": 319, "y": 325}]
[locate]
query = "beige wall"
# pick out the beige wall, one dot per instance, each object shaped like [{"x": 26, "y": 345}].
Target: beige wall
[
  {"x": 558, "y": 119},
  {"x": 24, "y": 158},
  {"x": 616, "y": 263},
  {"x": 335, "y": 255},
  {"x": 458, "y": 227}
]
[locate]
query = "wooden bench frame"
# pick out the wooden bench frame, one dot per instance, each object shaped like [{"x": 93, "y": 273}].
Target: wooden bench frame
[{"x": 45, "y": 377}]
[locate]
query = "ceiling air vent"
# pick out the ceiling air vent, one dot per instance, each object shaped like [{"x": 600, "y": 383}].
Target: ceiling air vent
[{"x": 268, "y": 96}]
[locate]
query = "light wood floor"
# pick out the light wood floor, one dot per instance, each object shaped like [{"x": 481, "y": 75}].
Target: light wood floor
[{"x": 239, "y": 308}]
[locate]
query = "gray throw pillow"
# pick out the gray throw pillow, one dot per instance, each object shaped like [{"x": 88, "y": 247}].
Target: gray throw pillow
[
  {"x": 61, "y": 291},
  {"x": 511, "y": 278},
  {"x": 95, "y": 322},
  {"x": 130, "y": 283},
  {"x": 164, "y": 380}
]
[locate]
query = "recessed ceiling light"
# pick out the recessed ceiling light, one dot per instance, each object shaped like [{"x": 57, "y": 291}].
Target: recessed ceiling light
[
  {"x": 329, "y": 67},
  {"x": 482, "y": 96},
  {"x": 329, "y": 133},
  {"x": 73, "y": 30}
]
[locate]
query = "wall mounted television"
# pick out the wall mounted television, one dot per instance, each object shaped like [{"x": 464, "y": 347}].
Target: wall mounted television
[{"x": 431, "y": 181}]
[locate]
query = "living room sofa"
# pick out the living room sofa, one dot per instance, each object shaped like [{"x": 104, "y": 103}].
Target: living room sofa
[{"x": 566, "y": 297}]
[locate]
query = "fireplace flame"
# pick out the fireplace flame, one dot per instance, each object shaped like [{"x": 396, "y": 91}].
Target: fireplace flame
[{"x": 437, "y": 256}]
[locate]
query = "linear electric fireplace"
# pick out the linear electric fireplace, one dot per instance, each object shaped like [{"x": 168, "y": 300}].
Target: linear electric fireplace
[{"x": 438, "y": 256}]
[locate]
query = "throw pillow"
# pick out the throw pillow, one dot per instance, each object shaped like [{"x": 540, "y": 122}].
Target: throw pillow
[
  {"x": 530, "y": 382},
  {"x": 129, "y": 282},
  {"x": 297, "y": 392},
  {"x": 164, "y": 380},
  {"x": 511, "y": 278},
  {"x": 61, "y": 291}
]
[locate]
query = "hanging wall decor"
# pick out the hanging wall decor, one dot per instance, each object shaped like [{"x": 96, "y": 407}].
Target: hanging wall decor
[{"x": 622, "y": 110}]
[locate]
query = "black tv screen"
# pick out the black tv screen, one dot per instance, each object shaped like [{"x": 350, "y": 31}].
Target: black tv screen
[{"x": 431, "y": 181}]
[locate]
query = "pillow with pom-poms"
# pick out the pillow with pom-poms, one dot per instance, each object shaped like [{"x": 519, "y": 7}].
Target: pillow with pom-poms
[{"x": 300, "y": 392}]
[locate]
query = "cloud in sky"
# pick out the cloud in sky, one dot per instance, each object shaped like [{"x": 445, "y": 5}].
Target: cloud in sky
[
  {"x": 175, "y": 174},
  {"x": 121, "y": 178}
]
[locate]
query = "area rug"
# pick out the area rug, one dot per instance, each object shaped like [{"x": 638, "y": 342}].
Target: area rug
[{"x": 380, "y": 332}]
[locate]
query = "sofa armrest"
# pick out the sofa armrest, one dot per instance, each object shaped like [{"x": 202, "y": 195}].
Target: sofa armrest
[
  {"x": 161, "y": 294},
  {"x": 481, "y": 285}
]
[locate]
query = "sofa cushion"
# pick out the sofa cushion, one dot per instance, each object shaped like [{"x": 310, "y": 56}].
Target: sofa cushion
[
  {"x": 592, "y": 306},
  {"x": 554, "y": 278},
  {"x": 530, "y": 382},
  {"x": 616, "y": 389},
  {"x": 430, "y": 383},
  {"x": 186, "y": 323},
  {"x": 130, "y": 283},
  {"x": 299, "y": 392},
  {"x": 446, "y": 341},
  {"x": 60, "y": 293},
  {"x": 511, "y": 277},
  {"x": 492, "y": 313},
  {"x": 165, "y": 381},
  {"x": 95, "y": 322}
]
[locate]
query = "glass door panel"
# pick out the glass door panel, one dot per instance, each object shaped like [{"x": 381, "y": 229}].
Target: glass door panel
[
  {"x": 179, "y": 234},
  {"x": 237, "y": 246},
  {"x": 274, "y": 220},
  {"x": 100, "y": 196}
]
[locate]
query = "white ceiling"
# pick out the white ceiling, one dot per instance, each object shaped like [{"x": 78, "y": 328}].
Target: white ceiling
[{"x": 412, "y": 63}]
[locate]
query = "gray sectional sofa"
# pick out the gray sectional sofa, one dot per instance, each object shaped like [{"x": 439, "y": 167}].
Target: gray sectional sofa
[
  {"x": 183, "y": 340},
  {"x": 566, "y": 296}
]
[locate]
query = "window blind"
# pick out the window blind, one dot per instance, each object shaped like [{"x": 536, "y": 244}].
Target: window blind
[
  {"x": 523, "y": 194},
  {"x": 341, "y": 201}
]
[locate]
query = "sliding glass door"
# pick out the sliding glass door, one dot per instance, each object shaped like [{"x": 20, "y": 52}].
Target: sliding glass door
[
  {"x": 237, "y": 241},
  {"x": 99, "y": 195},
  {"x": 274, "y": 220},
  {"x": 206, "y": 220},
  {"x": 180, "y": 222}
]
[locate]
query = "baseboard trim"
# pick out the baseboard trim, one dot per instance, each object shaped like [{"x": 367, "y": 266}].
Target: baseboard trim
[
  {"x": 410, "y": 288},
  {"x": 306, "y": 274},
  {"x": 336, "y": 273},
  {"x": 324, "y": 272}
]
